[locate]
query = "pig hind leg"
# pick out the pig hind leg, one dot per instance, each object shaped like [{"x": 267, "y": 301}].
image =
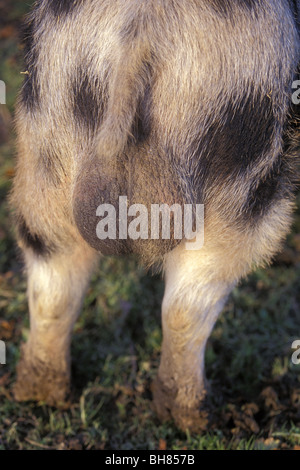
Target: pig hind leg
[
  {"x": 56, "y": 285},
  {"x": 197, "y": 286}
]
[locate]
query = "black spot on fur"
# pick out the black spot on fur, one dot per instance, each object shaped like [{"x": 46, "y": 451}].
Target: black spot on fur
[
  {"x": 32, "y": 240},
  {"x": 233, "y": 143},
  {"x": 295, "y": 6},
  {"x": 282, "y": 178},
  {"x": 267, "y": 190},
  {"x": 226, "y": 7},
  {"x": 88, "y": 99},
  {"x": 142, "y": 124},
  {"x": 63, "y": 7},
  {"x": 30, "y": 89}
]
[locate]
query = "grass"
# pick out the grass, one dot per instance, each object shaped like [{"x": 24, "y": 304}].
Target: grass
[{"x": 117, "y": 340}]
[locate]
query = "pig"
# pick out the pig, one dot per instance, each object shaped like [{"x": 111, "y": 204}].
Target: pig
[{"x": 164, "y": 102}]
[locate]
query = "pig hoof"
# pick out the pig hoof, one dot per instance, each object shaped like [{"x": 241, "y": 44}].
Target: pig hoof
[
  {"x": 39, "y": 382},
  {"x": 192, "y": 419},
  {"x": 195, "y": 419}
]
